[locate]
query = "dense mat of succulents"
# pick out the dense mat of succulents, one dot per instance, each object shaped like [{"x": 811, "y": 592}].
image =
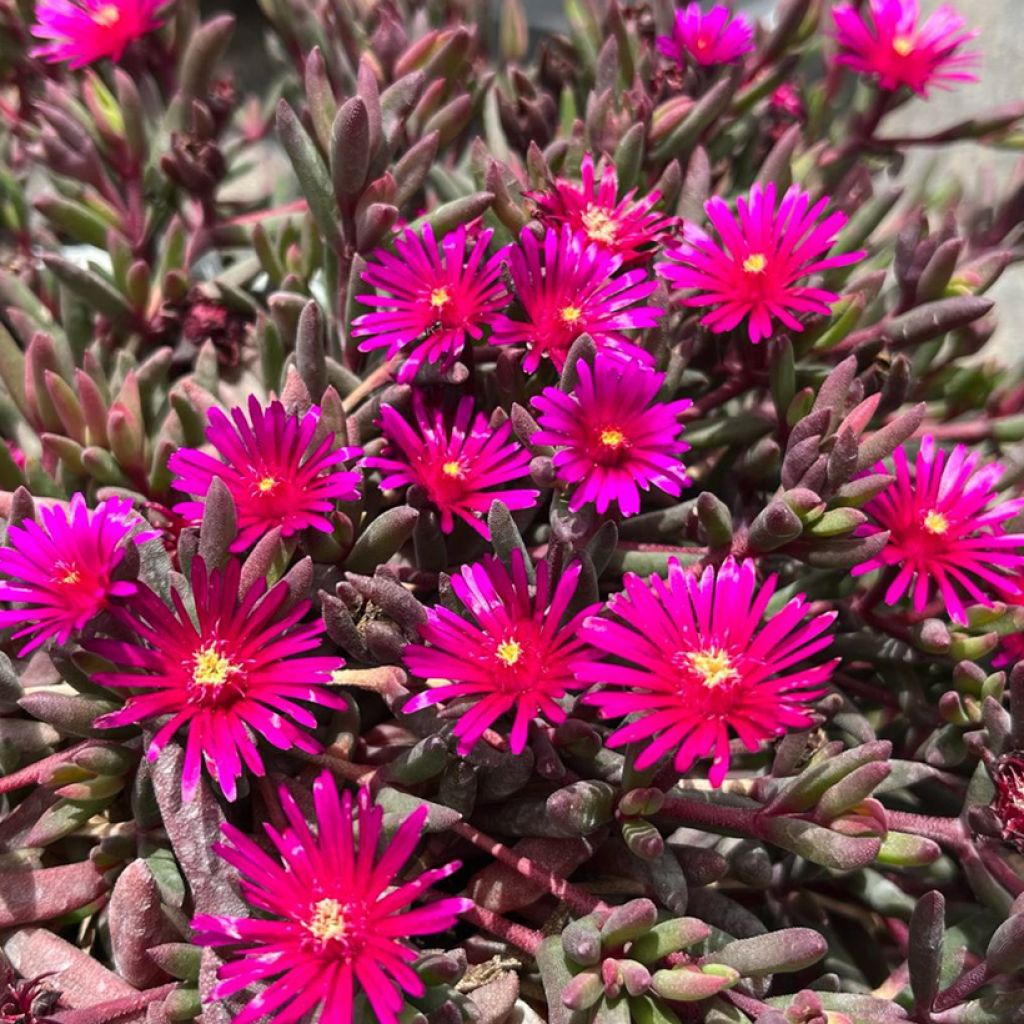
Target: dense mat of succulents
[{"x": 505, "y": 538}]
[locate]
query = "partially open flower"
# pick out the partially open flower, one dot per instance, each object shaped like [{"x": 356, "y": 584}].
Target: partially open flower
[
  {"x": 335, "y": 917},
  {"x": 1008, "y": 776},
  {"x": 717, "y": 37},
  {"x": 81, "y": 32}
]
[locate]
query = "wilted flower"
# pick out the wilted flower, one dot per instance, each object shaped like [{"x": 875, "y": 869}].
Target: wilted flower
[
  {"x": 694, "y": 659},
  {"x": 518, "y": 656},
  {"x": 887, "y": 42},
  {"x": 568, "y": 287},
  {"x": 81, "y": 32},
  {"x": 25, "y": 1001},
  {"x": 275, "y": 472},
  {"x": 706, "y": 39},
  {"x": 239, "y": 669},
  {"x": 752, "y": 273},
  {"x": 1008, "y": 777},
  {"x": 335, "y": 917},
  {"x": 434, "y": 297},
  {"x": 460, "y": 467},
  {"x": 62, "y": 572},
  {"x": 627, "y": 227},
  {"x": 945, "y": 523},
  {"x": 612, "y": 438}
]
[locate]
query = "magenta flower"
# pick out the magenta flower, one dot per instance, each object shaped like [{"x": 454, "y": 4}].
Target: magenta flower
[
  {"x": 945, "y": 523},
  {"x": 335, "y": 918},
  {"x": 276, "y": 470},
  {"x": 694, "y": 660},
  {"x": 612, "y": 438},
  {"x": 238, "y": 669},
  {"x": 61, "y": 573},
  {"x": 706, "y": 39},
  {"x": 568, "y": 287},
  {"x": 887, "y": 42},
  {"x": 625, "y": 227},
  {"x": 82, "y": 32},
  {"x": 434, "y": 298},
  {"x": 460, "y": 467},
  {"x": 752, "y": 273},
  {"x": 517, "y": 655}
]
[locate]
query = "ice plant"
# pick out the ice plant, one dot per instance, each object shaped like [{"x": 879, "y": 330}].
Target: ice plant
[
  {"x": 612, "y": 438},
  {"x": 277, "y": 471},
  {"x": 81, "y": 32},
  {"x": 238, "y": 671},
  {"x": 717, "y": 37},
  {"x": 61, "y": 572},
  {"x": 516, "y": 655},
  {"x": 946, "y": 531},
  {"x": 753, "y": 271},
  {"x": 461, "y": 467},
  {"x": 431, "y": 298},
  {"x": 695, "y": 660},
  {"x": 888, "y": 41},
  {"x": 335, "y": 915},
  {"x": 567, "y": 286},
  {"x": 629, "y": 227}
]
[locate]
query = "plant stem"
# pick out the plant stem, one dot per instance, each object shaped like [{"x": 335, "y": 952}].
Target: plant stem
[
  {"x": 115, "y": 1009},
  {"x": 517, "y": 935},
  {"x": 39, "y": 771},
  {"x": 704, "y": 814},
  {"x": 946, "y": 832}
]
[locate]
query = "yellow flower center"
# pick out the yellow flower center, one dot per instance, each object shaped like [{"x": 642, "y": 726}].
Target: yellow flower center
[
  {"x": 108, "y": 15},
  {"x": 571, "y": 314},
  {"x": 713, "y": 665},
  {"x": 67, "y": 574},
  {"x": 598, "y": 225},
  {"x": 612, "y": 438},
  {"x": 509, "y": 652},
  {"x": 266, "y": 485},
  {"x": 327, "y": 922},
  {"x": 755, "y": 263},
  {"x": 903, "y": 45},
  {"x": 452, "y": 469},
  {"x": 211, "y": 669},
  {"x": 440, "y": 297},
  {"x": 935, "y": 522}
]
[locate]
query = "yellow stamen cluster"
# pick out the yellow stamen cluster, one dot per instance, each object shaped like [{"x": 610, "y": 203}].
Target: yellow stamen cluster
[
  {"x": 328, "y": 921},
  {"x": 211, "y": 668},
  {"x": 509, "y": 652},
  {"x": 713, "y": 665},
  {"x": 755, "y": 263},
  {"x": 935, "y": 522}
]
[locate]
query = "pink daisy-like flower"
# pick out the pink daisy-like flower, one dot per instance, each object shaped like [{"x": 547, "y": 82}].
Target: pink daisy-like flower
[
  {"x": 945, "y": 523},
  {"x": 335, "y": 917},
  {"x": 707, "y": 39},
  {"x": 276, "y": 473},
  {"x": 62, "y": 571},
  {"x": 82, "y": 32},
  {"x": 566, "y": 287},
  {"x": 434, "y": 297},
  {"x": 238, "y": 670},
  {"x": 887, "y": 42},
  {"x": 516, "y": 656},
  {"x": 752, "y": 272},
  {"x": 460, "y": 467},
  {"x": 694, "y": 660},
  {"x": 626, "y": 227},
  {"x": 612, "y": 438}
]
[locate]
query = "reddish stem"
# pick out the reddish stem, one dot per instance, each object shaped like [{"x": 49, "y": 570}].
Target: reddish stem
[
  {"x": 970, "y": 981},
  {"x": 576, "y": 899},
  {"x": 115, "y": 1009},
  {"x": 946, "y": 832},
  {"x": 517, "y": 935},
  {"x": 40, "y": 771},
  {"x": 735, "y": 820}
]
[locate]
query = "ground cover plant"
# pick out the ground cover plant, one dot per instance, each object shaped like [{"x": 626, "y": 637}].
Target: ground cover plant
[{"x": 505, "y": 530}]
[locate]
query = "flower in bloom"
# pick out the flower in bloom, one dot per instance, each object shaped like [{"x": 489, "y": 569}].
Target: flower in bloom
[
  {"x": 695, "y": 660},
  {"x": 707, "y": 39},
  {"x": 613, "y": 439},
  {"x": 946, "y": 535},
  {"x": 335, "y": 917},
  {"x": 236, "y": 671},
  {"x": 566, "y": 287},
  {"x": 752, "y": 272},
  {"x": 1008, "y": 777},
  {"x": 434, "y": 298},
  {"x": 517, "y": 655},
  {"x": 886, "y": 41},
  {"x": 61, "y": 571},
  {"x": 82, "y": 32},
  {"x": 626, "y": 227},
  {"x": 276, "y": 471},
  {"x": 460, "y": 467}
]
